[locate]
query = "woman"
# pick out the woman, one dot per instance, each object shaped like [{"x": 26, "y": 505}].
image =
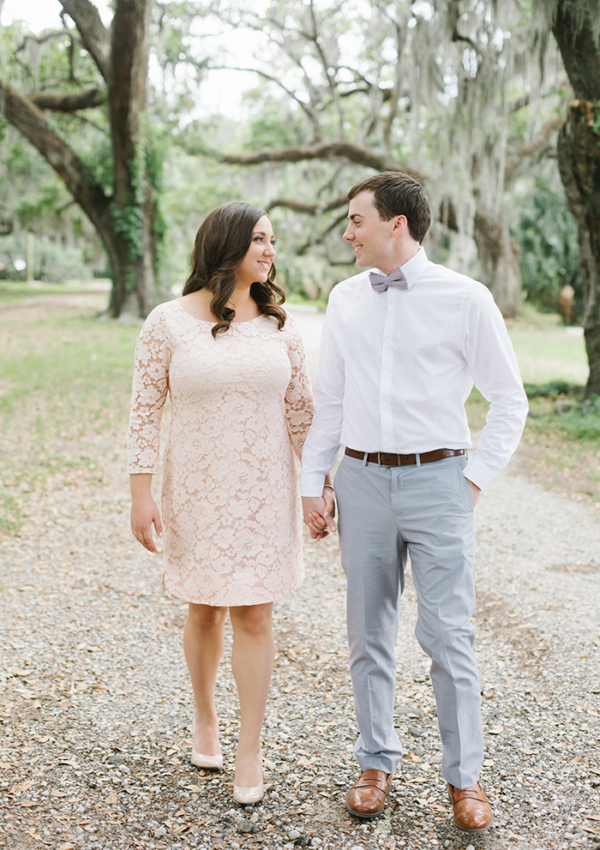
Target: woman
[{"x": 233, "y": 363}]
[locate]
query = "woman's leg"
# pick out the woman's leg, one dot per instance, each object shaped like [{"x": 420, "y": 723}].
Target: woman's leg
[
  {"x": 252, "y": 664},
  {"x": 203, "y": 647}
]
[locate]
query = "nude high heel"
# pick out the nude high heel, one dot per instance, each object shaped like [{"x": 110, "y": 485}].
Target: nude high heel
[
  {"x": 246, "y": 796},
  {"x": 199, "y": 760}
]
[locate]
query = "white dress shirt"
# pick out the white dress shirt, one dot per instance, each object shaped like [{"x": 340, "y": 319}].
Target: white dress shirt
[{"x": 396, "y": 367}]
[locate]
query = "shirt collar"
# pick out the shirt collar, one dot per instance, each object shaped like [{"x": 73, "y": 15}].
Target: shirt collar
[{"x": 414, "y": 268}]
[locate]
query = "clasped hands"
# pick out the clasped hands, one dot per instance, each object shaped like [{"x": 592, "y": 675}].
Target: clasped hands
[{"x": 319, "y": 513}]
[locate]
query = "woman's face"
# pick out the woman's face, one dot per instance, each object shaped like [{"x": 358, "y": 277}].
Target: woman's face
[{"x": 259, "y": 256}]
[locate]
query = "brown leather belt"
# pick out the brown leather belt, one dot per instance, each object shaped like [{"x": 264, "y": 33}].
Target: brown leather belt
[{"x": 385, "y": 459}]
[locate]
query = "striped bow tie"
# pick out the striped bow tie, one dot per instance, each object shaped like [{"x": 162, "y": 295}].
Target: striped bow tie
[{"x": 381, "y": 282}]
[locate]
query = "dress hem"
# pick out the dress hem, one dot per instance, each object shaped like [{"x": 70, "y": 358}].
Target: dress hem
[{"x": 272, "y": 598}]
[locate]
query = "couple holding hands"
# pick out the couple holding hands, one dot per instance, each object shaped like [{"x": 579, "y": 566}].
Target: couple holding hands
[{"x": 401, "y": 348}]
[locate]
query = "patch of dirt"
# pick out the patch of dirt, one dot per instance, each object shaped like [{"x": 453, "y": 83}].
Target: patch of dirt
[{"x": 565, "y": 467}]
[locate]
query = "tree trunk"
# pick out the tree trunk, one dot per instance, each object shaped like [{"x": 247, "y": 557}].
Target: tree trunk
[
  {"x": 126, "y": 222},
  {"x": 499, "y": 261},
  {"x": 579, "y": 157},
  {"x": 134, "y": 207},
  {"x": 579, "y": 164}
]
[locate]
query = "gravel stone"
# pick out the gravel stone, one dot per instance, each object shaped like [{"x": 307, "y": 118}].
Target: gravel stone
[{"x": 245, "y": 825}]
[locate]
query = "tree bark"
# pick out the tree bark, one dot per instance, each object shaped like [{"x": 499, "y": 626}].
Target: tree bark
[
  {"x": 91, "y": 29},
  {"x": 579, "y": 164},
  {"x": 134, "y": 204},
  {"x": 60, "y": 102},
  {"x": 499, "y": 261},
  {"x": 579, "y": 158}
]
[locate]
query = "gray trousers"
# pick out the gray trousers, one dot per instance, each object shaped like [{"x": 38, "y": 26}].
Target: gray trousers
[{"x": 427, "y": 511}]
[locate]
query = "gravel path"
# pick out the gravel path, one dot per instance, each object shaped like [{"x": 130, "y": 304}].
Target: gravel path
[{"x": 95, "y": 707}]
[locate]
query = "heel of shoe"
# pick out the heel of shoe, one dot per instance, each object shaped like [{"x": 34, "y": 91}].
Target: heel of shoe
[
  {"x": 207, "y": 762},
  {"x": 247, "y": 796},
  {"x": 200, "y": 760}
]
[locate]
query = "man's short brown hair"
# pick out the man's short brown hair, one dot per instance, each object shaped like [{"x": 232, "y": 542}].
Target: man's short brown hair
[{"x": 398, "y": 194}]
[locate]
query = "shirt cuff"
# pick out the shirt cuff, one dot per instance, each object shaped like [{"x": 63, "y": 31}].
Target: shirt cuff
[
  {"x": 477, "y": 472},
  {"x": 311, "y": 484}
]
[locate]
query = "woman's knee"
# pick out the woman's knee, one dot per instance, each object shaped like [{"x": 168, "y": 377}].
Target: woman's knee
[
  {"x": 206, "y": 617},
  {"x": 252, "y": 620}
]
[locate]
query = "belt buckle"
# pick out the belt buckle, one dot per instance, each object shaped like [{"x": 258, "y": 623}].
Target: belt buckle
[{"x": 379, "y": 463}]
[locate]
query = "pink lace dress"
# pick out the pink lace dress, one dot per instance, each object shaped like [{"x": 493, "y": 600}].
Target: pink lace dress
[{"x": 241, "y": 405}]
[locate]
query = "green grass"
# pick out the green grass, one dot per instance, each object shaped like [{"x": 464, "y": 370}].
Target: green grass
[
  {"x": 16, "y": 292},
  {"x": 65, "y": 381},
  {"x": 549, "y": 355}
]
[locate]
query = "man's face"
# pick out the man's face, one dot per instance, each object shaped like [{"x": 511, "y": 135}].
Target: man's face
[{"x": 369, "y": 235}]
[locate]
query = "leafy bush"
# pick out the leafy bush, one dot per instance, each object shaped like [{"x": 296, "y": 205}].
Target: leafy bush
[
  {"x": 547, "y": 237},
  {"x": 583, "y": 422},
  {"x": 552, "y": 389}
]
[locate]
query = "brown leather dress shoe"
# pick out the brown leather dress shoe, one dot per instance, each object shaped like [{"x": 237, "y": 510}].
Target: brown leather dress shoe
[
  {"x": 472, "y": 812},
  {"x": 366, "y": 798}
]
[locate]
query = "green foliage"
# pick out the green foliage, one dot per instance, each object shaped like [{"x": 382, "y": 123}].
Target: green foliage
[
  {"x": 37, "y": 205},
  {"x": 98, "y": 158},
  {"x": 273, "y": 123},
  {"x": 547, "y": 237},
  {"x": 552, "y": 389},
  {"x": 52, "y": 261},
  {"x": 582, "y": 422},
  {"x": 128, "y": 222},
  {"x": 145, "y": 170},
  {"x": 596, "y": 121}
]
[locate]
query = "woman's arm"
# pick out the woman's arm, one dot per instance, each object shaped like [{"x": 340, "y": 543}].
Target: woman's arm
[{"x": 148, "y": 396}]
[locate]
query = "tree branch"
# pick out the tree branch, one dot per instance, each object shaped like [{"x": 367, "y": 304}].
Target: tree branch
[
  {"x": 322, "y": 236},
  {"x": 31, "y": 123},
  {"x": 328, "y": 150},
  {"x": 92, "y": 31},
  {"x": 43, "y": 37},
  {"x": 538, "y": 144},
  {"x": 60, "y": 102},
  {"x": 306, "y": 108},
  {"x": 310, "y": 209}
]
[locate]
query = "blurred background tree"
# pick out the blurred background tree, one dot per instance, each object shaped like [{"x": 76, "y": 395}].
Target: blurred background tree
[{"x": 468, "y": 96}]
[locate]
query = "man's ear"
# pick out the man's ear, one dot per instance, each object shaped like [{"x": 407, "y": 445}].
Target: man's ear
[{"x": 400, "y": 225}]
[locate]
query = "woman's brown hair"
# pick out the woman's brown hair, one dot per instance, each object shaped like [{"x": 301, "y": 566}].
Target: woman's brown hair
[{"x": 221, "y": 244}]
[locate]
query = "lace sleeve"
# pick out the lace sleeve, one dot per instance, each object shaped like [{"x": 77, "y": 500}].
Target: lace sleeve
[
  {"x": 298, "y": 397},
  {"x": 148, "y": 395}
]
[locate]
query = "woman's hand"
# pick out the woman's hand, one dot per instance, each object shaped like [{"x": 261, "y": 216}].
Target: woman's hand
[
  {"x": 144, "y": 512},
  {"x": 319, "y": 514}
]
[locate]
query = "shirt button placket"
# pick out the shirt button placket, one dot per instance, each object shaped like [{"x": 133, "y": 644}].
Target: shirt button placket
[{"x": 387, "y": 371}]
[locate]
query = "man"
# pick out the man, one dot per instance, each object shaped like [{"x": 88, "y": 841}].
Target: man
[{"x": 401, "y": 349}]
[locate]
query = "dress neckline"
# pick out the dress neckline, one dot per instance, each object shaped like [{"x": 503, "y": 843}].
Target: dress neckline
[{"x": 205, "y": 322}]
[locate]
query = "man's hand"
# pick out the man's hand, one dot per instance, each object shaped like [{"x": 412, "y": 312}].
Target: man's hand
[
  {"x": 475, "y": 491},
  {"x": 319, "y": 512}
]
